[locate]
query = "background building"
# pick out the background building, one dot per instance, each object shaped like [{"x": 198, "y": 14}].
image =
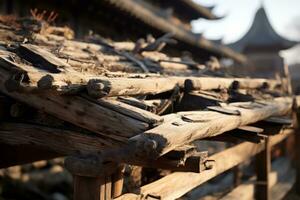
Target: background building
[{"x": 261, "y": 44}]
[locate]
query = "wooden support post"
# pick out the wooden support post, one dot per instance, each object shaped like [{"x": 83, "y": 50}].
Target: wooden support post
[
  {"x": 87, "y": 188},
  {"x": 117, "y": 181},
  {"x": 263, "y": 167},
  {"x": 91, "y": 182},
  {"x": 92, "y": 188}
]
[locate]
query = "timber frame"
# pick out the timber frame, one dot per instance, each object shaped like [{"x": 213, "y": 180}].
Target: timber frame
[{"x": 61, "y": 97}]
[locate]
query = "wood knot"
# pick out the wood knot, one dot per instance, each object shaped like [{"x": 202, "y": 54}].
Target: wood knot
[
  {"x": 98, "y": 88},
  {"x": 46, "y": 82}
]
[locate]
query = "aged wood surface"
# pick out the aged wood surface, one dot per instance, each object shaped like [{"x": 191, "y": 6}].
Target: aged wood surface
[
  {"x": 79, "y": 111},
  {"x": 87, "y": 188},
  {"x": 184, "y": 182},
  {"x": 263, "y": 168},
  {"x": 185, "y": 127},
  {"x": 61, "y": 141}
]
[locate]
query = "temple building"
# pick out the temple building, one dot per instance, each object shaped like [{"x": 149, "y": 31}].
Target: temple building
[
  {"x": 131, "y": 20},
  {"x": 261, "y": 44}
]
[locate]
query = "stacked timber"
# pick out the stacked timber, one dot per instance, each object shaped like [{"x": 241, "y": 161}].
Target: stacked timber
[{"x": 121, "y": 102}]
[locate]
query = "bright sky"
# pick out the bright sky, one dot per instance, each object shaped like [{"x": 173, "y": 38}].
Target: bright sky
[{"x": 239, "y": 15}]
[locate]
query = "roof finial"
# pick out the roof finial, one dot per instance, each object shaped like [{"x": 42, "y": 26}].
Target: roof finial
[{"x": 262, "y": 3}]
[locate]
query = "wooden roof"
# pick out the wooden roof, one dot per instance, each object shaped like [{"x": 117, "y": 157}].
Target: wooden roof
[{"x": 82, "y": 100}]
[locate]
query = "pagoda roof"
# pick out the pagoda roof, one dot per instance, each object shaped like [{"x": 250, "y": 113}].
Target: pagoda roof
[{"x": 261, "y": 36}]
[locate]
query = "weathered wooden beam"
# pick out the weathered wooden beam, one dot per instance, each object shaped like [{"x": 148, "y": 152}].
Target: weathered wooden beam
[
  {"x": 136, "y": 86},
  {"x": 64, "y": 142},
  {"x": 209, "y": 83},
  {"x": 185, "y": 127},
  {"x": 131, "y": 86},
  {"x": 184, "y": 182},
  {"x": 79, "y": 111},
  {"x": 42, "y": 58},
  {"x": 65, "y": 79},
  {"x": 83, "y": 167}
]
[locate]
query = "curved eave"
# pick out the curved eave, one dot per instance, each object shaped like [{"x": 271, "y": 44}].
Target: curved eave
[
  {"x": 140, "y": 12},
  {"x": 201, "y": 10}
]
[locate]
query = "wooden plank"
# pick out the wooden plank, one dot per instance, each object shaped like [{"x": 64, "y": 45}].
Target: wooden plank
[
  {"x": 43, "y": 58},
  {"x": 137, "y": 86},
  {"x": 184, "y": 127},
  {"x": 184, "y": 182}
]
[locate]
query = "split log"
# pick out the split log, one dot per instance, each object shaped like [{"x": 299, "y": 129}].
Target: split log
[
  {"x": 184, "y": 127},
  {"x": 182, "y": 182}
]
